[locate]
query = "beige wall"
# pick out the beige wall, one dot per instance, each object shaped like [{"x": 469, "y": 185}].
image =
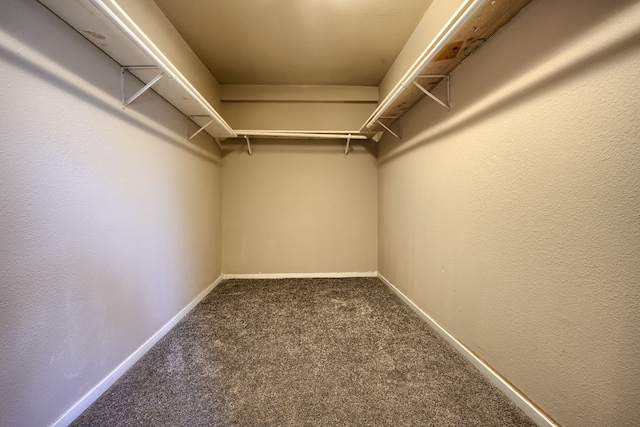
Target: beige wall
[
  {"x": 109, "y": 221},
  {"x": 301, "y": 208},
  {"x": 514, "y": 220}
]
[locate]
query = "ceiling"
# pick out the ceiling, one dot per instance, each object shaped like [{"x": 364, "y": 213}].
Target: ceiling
[{"x": 296, "y": 42}]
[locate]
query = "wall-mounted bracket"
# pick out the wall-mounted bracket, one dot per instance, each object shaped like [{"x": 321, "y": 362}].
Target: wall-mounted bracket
[
  {"x": 399, "y": 136},
  {"x": 189, "y": 138},
  {"x": 248, "y": 144},
  {"x": 346, "y": 148},
  {"x": 142, "y": 90},
  {"x": 446, "y": 105}
]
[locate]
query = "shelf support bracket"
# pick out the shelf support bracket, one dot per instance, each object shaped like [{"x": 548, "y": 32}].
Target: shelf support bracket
[
  {"x": 142, "y": 90},
  {"x": 387, "y": 127},
  {"x": 189, "y": 138},
  {"x": 446, "y": 105},
  {"x": 346, "y": 149},
  {"x": 248, "y": 144}
]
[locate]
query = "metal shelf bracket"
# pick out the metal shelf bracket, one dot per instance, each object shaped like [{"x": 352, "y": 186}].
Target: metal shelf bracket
[
  {"x": 346, "y": 148},
  {"x": 446, "y": 105},
  {"x": 142, "y": 90},
  {"x": 248, "y": 144},
  {"x": 397, "y": 135},
  {"x": 189, "y": 138}
]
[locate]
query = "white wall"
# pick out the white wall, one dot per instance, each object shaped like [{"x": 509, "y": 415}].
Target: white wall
[
  {"x": 110, "y": 224},
  {"x": 299, "y": 208},
  {"x": 514, "y": 220}
]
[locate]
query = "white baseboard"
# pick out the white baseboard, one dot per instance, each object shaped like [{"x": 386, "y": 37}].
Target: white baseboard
[
  {"x": 86, "y": 400},
  {"x": 496, "y": 379},
  {"x": 300, "y": 275}
]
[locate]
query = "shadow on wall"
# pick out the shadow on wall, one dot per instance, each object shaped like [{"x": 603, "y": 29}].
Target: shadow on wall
[
  {"x": 572, "y": 19},
  {"x": 105, "y": 97},
  {"x": 495, "y": 95}
]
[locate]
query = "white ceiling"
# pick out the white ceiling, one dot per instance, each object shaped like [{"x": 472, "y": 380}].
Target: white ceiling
[{"x": 296, "y": 42}]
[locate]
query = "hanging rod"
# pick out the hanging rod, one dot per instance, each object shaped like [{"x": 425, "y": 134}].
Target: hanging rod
[
  {"x": 247, "y": 135},
  {"x": 296, "y": 134},
  {"x": 455, "y": 23}
]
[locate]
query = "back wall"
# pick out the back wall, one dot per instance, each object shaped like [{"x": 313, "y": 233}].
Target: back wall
[{"x": 299, "y": 208}]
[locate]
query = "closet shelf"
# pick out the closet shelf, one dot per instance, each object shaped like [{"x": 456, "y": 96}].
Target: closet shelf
[
  {"x": 475, "y": 24},
  {"x": 108, "y": 27}
]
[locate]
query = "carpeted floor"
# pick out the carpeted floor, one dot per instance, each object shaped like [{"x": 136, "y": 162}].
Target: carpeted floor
[{"x": 302, "y": 352}]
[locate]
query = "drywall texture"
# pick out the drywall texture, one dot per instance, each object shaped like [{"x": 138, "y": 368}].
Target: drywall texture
[
  {"x": 299, "y": 209},
  {"x": 514, "y": 220},
  {"x": 110, "y": 224}
]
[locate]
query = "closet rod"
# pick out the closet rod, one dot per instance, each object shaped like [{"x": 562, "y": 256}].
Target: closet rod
[{"x": 293, "y": 134}]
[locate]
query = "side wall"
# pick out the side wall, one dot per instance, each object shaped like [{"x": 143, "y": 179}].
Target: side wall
[
  {"x": 110, "y": 222},
  {"x": 513, "y": 220},
  {"x": 299, "y": 209}
]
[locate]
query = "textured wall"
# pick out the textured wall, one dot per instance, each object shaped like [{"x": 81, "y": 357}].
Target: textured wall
[
  {"x": 514, "y": 220},
  {"x": 297, "y": 209},
  {"x": 109, "y": 224}
]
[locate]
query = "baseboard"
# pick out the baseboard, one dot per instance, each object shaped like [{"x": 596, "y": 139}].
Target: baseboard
[
  {"x": 79, "y": 407},
  {"x": 496, "y": 379},
  {"x": 300, "y": 275}
]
